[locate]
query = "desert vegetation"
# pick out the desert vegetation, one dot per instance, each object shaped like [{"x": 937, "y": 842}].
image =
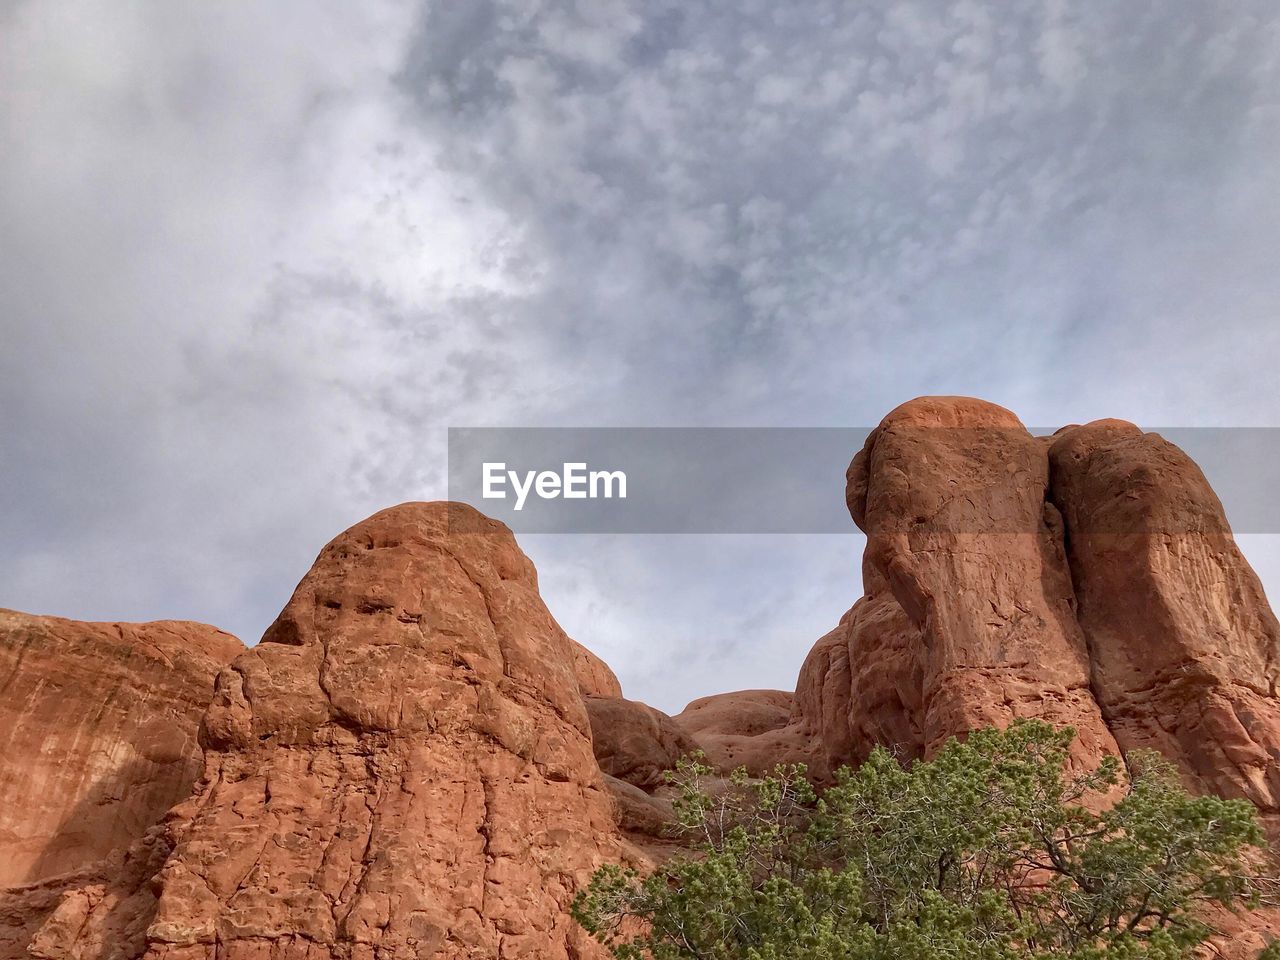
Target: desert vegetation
[{"x": 990, "y": 850}]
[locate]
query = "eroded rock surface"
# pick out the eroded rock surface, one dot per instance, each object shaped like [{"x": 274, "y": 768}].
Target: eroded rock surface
[
  {"x": 862, "y": 684},
  {"x": 98, "y": 739},
  {"x": 968, "y": 616},
  {"x": 401, "y": 769},
  {"x": 1185, "y": 649},
  {"x": 635, "y": 742},
  {"x": 1088, "y": 579},
  {"x": 595, "y": 679},
  {"x": 747, "y": 728},
  {"x": 744, "y": 713},
  {"x": 98, "y": 725},
  {"x": 417, "y": 762}
]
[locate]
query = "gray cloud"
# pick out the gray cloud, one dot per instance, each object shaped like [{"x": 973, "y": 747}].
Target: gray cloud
[
  {"x": 792, "y": 198},
  {"x": 255, "y": 260}
]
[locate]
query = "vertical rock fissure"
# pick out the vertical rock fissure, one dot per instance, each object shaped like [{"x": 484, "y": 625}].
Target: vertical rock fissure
[{"x": 1074, "y": 576}]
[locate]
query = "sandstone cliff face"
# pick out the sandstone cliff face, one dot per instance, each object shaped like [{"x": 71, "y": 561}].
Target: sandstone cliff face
[
  {"x": 402, "y": 768},
  {"x": 595, "y": 679},
  {"x": 98, "y": 739},
  {"x": 1184, "y": 647},
  {"x": 968, "y": 618},
  {"x": 1089, "y": 579},
  {"x": 862, "y": 684},
  {"x": 98, "y": 729}
]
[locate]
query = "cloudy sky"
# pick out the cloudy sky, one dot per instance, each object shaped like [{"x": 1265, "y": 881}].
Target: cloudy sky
[{"x": 256, "y": 258}]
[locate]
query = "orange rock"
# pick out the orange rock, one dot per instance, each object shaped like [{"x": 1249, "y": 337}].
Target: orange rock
[
  {"x": 98, "y": 739},
  {"x": 968, "y": 615},
  {"x": 410, "y": 763},
  {"x": 595, "y": 679},
  {"x": 402, "y": 767},
  {"x": 634, "y": 742},
  {"x": 1185, "y": 649},
  {"x": 747, "y": 728},
  {"x": 862, "y": 684},
  {"x": 98, "y": 727},
  {"x": 744, "y": 713}
]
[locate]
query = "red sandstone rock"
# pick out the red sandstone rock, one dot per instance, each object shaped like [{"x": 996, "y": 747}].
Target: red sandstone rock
[
  {"x": 748, "y": 728},
  {"x": 99, "y": 914},
  {"x": 967, "y": 620},
  {"x": 98, "y": 739},
  {"x": 646, "y": 820},
  {"x": 402, "y": 768},
  {"x": 1185, "y": 649},
  {"x": 744, "y": 713},
  {"x": 405, "y": 767},
  {"x": 634, "y": 742},
  {"x": 98, "y": 729},
  {"x": 1105, "y": 592},
  {"x": 862, "y": 684},
  {"x": 1155, "y": 634},
  {"x": 595, "y": 679}
]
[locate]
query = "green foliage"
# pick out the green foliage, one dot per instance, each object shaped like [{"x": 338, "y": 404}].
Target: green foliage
[{"x": 985, "y": 852}]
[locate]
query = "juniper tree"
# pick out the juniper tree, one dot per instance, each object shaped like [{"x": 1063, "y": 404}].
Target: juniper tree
[{"x": 987, "y": 851}]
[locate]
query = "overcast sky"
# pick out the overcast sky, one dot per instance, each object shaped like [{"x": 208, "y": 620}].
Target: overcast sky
[{"x": 255, "y": 258}]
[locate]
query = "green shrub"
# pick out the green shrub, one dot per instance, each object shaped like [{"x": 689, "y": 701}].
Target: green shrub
[{"x": 984, "y": 852}]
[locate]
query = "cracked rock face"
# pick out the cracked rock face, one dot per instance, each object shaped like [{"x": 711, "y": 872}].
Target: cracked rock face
[
  {"x": 1184, "y": 646},
  {"x": 98, "y": 739},
  {"x": 968, "y": 615},
  {"x": 1089, "y": 579},
  {"x": 98, "y": 725},
  {"x": 401, "y": 769},
  {"x": 405, "y": 766}
]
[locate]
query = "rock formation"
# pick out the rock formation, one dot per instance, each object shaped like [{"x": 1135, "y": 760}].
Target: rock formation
[
  {"x": 98, "y": 739},
  {"x": 749, "y": 728},
  {"x": 402, "y": 768},
  {"x": 634, "y": 742},
  {"x": 635, "y": 745},
  {"x": 1087, "y": 579},
  {"x": 1185, "y": 650},
  {"x": 968, "y": 615},
  {"x": 417, "y": 762},
  {"x": 595, "y": 679},
  {"x": 99, "y": 721}
]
